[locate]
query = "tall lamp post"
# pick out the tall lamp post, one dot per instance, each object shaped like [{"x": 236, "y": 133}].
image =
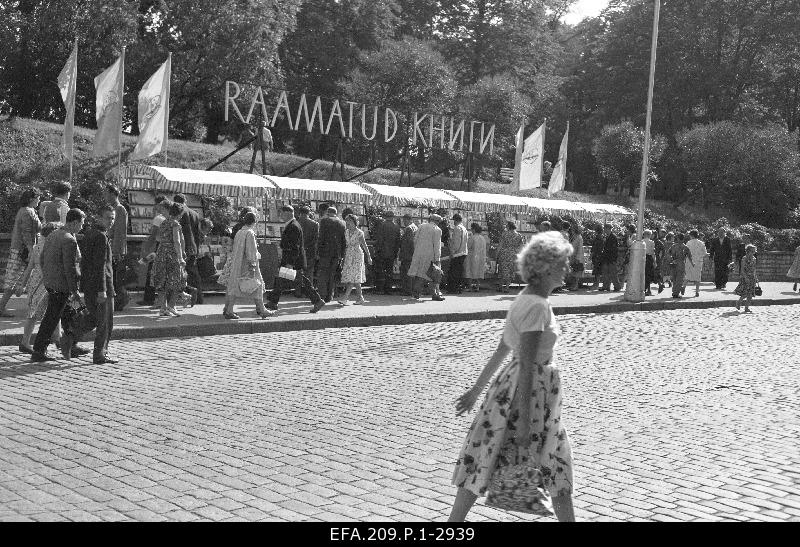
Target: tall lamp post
[{"x": 634, "y": 291}]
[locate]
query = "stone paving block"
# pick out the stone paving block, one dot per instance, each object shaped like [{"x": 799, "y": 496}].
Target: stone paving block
[
  {"x": 301, "y": 507},
  {"x": 211, "y": 513}
]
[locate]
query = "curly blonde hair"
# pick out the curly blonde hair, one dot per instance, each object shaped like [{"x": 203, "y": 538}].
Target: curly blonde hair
[{"x": 542, "y": 252}]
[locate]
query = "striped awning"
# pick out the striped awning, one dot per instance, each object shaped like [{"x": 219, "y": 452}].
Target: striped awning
[
  {"x": 193, "y": 181},
  {"x": 410, "y": 196},
  {"x": 489, "y": 203},
  {"x": 318, "y": 190}
]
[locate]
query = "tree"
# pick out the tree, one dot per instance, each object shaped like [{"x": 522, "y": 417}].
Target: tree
[
  {"x": 619, "y": 155},
  {"x": 754, "y": 171}
]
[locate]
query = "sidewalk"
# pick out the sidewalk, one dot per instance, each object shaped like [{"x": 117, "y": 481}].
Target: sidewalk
[{"x": 206, "y": 320}]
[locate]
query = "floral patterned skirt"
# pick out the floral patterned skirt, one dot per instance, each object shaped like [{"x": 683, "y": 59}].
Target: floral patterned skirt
[
  {"x": 746, "y": 287},
  {"x": 15, "y": 267},
  {"x": 37, "y": 296},
  {"x": 168, "y": 274},
  {"x": 487, "y": 444}
]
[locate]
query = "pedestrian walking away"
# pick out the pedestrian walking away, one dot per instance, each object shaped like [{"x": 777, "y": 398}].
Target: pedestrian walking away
[
  {"x": 353, "y": 271},
  {"x": 97, "y": 285},
  {"x": 56, "y": 210},
  {"x": 331, "y": 251},
  {"x": 310, "y": 242},
  {"x": 149, "y": 248},
  {"x": 746, "y": 289},
  {"x": 23, "y": 238},
  {"x": 293, "y": 256},
  {"x": 241, "y": 275},
  {"x": 190, "y": 227},
  {"x": 510, "y": 243},
  {"x": 119, "y": 245},
  {"x": 608, "y": 260},
  {"x": 426, "y": 262},
  {"x": 679, "y": 257},
  {"x": 519, "y": 421},
  {"x": 387, "y": 245},
  {"x": 597, "y": 257},
  {"x": 458, "y": 255},
  {"x": 475, "y": 265},
  {"x": 649, "y": 261},
  {"x": 694, "y": 268},
  {"x": 60, "y": 259},
  {"x": 721, "y": 252},
  {"x": 794, "y": 270},
  {"x": 407, "y": 253}
]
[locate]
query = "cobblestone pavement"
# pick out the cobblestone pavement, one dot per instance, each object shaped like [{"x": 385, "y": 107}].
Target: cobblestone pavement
[{"x": 673, "y": 415}]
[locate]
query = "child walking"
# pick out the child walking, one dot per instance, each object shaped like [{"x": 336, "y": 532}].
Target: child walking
[{"x": 747, "y": 285}]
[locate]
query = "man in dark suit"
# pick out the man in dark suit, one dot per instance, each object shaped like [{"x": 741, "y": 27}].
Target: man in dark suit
[
  {"x": 722, "y": 254},
  {"x": 61, "y": 274},
  {"x": 310, "y": 237},
  {"x": 332, "y": 244},
  {"x": 293, "y": 255},
  {"x": 97, "y": 284},
  {"x": 190, "y": 226},
  {"x": 407, "y": 252},
  {"x": 608, "y": 260},
  {"x": 387, "y": 245}
]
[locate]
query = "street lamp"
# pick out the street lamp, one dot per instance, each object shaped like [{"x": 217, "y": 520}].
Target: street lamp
[{"x": 634, "y": 290}]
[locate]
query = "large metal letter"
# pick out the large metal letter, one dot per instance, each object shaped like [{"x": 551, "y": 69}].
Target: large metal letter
[
  {"x": 417, "y": 131},
  {"x": 459, "y": 132},
  {"x": 336, "y": 111},
  {"x": 364, "y": 122},
  {"x": 471, "y": 133},
  {"x": 441, "y": 128},
  {"x": 231, "y": 100},
  {"x": 489, "y": 138},
  {"x": 303, "y": 109},
  {"x": 283, "y": 103},
  {"x": 258, "y": 98},
  {"x": 386, "y": 137},
  {"x": 350, "y": 119}
]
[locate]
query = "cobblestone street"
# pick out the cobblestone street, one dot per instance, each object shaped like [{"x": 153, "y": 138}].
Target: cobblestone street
[{"x": 673, "y": 416}]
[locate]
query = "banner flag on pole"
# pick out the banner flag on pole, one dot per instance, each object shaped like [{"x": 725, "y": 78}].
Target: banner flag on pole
[
  {"x": 530, "y": 171},
  {"x": 67, "y": 81},
  {"x": 109, "y": 85},
  {"x": 518, "y": 159},
  {"x": 154, "y": 113},
  {"x": 558, "y": 178}
]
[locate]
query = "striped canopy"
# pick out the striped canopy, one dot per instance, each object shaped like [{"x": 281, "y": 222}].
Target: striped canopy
[
  {"x": 193, "y": 181},
  {"x": 409, "y": 195},
  {"x": 318, "y": 190},
  {"x": 489, "y": 203}
]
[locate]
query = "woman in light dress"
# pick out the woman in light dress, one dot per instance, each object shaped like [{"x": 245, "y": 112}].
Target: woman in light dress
[
  {"x": 577, "y": 265},
  {"x": 353, "y": 271},
  {"x": 520, "y": 418},
  {"x": 794, "y": 271},
  {"x": 32, "y": 279},
  {"x": 746, "y": 289},
  {"x": 679, "y": 258},
  {"x": 23, "y": 238},
  {"x": 169, "y": 265},
  {"x": 694, "y": 270},
  {"x": 475, "y": 265},
  {"x": 241, "y": 275}
]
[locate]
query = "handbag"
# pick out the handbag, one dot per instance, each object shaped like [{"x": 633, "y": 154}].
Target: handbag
[
  {"x": 577, "y": 266},
  {"x": 758, "y": 291},
  {"x": 434, "y": 273},
  {"x": 287, "y": 273},
  {"x": 205, "y": 267},
  {"x": 519, "y": 487},
  {"x": 249, "y": 285}
]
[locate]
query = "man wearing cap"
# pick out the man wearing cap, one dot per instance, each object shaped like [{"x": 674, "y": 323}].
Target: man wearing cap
[
  {"x": 387, "y": 245},
  {"x": 427, "y": 252},
  {"x": 407, "y": 252},
  {"x": 458, "y": 255}
]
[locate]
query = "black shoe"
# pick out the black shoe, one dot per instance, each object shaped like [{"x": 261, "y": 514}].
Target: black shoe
[
  {"x": 25, "y": 349},
  {"x": 145, "y": 303},
  {"x": 437, "y": 298},
  {"x": 327, "y": 301},
  {"x": 271, "y": 306},
  {"x": 78, "y": 351},
  {"x": 37, "y": 357},
  {"x": 683, "y": 290},
  {"x": 66, "y": 345},
  {"x": 648, "y": 293},
  {"x": 660, "y": 288},
  {"x": 317, "y": 306},
  {"x": 105, "y": 361}
]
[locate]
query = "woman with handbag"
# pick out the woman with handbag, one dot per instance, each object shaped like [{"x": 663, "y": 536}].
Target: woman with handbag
[
  {"x": 353, "y": 271},
  {"x": 748, "y": 284},
  {"x": 511, "y": 242},
  {"x": 242, "y": 274},
  {"x": 23, "y": 238},
  {"x": 475, "y": 265},
  {"x": 517, "y": 446},
  {"x": 169, "y": 265}
]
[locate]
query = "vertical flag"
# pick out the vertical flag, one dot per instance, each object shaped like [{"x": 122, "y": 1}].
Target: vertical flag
[
  {"x": 154, "y": 113},
  {"x": 558, "y": 178},
  {"x": 67, "y": 80},
  {"x": 518, "y": 159},
  {"x": 109, "y": 85},
  {"x": 530, "y": 172}
]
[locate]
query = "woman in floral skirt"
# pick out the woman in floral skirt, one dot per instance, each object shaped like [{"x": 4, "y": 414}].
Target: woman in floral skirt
[
  {"x": 520, "y": 418},
  {"x": 746, "y": 289},
  {"x": 353, "y": 271},
  {"x": 510, "y": 243},
  {"x": 170, "y": 262}
]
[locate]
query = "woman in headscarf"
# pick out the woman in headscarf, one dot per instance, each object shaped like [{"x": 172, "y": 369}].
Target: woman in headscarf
[
  {"x": 242, "y": 274},
  {"x": 475, "y": 265},
  {"x": 510, "y": 243}
]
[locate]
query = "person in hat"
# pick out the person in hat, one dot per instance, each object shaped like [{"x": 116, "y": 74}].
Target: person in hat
[
  {"x": 387, "y": 245},
  {"x": 427, "y": 253}
]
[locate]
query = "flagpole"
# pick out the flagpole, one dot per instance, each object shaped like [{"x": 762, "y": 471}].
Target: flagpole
[
  {"x": 121, "y": 120},
  {"x": 166, "y": 105},
  {"x": 541, "y": 156},
  {"x": 72, "y": 106},
  {"x": 634, "y": 292}
]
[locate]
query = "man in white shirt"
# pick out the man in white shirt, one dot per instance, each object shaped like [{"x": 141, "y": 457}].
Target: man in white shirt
[
  {"x": 56, "y": 210},
  {"x": 458, "y": 254}
]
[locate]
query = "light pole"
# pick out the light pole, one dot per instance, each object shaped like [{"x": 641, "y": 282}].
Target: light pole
[{"x": 634, "y": 290}]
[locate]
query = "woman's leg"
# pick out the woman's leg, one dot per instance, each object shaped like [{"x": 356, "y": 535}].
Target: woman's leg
[
  {"x": 462, "y": 504},
  {"x": 347, "y": 292},
  {"x": 358, "y": 292},
  {"x": 562, "y": 507},
  {"x": 172, "y": 297},
  {"x": 747, "y": 303},
  {"x": 27, "y": 332},
  {"x": 230, "y": 301}
]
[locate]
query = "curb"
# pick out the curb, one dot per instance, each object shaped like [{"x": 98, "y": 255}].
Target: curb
[{"x": 317, "y": 323}]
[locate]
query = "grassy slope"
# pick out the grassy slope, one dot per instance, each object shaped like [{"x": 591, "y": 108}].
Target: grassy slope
[{"x": 30, "y": 152}]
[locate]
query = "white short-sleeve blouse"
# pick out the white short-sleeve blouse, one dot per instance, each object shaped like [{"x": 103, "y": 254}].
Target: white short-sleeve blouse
[{"x": 532, "y": 313}]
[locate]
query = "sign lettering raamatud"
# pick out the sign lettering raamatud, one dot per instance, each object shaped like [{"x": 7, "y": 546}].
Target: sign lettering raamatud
[{"x": 344, "y": 118}]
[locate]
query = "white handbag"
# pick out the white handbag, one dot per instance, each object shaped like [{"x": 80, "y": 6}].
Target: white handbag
[{"x": 287, "y": 273}]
